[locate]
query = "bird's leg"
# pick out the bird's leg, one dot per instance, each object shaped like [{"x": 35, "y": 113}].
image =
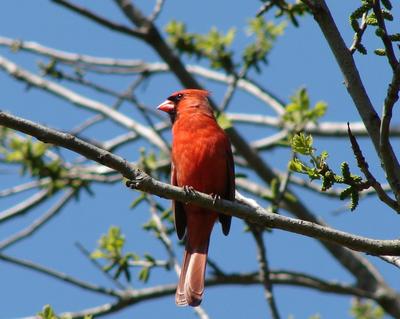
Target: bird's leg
[{"x": 215, "y": 197}]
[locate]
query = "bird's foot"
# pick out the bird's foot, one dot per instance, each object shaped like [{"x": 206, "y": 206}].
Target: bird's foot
[
  {"x": 215, "y": 197},
  {"x": 189, "y": 190},
  {"x": 132, "y": 184}
]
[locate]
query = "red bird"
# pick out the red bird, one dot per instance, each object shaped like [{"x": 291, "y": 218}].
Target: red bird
[{"x": 201, "y": 159}]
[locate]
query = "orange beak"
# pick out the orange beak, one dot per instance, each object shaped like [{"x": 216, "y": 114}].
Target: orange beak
[{"x": 166, "y": 106}]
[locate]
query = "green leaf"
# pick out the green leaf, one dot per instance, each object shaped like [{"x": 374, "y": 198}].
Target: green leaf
[
  {"x": 302, "y": 144},
  {"x": 97, "y": 254},
  {"x": 387, "y": 4},
  {"x": 380, "y": 52},
  {"x": 149, "y": 258},
  {"x": 366, "y": 310},
  {"x": 345, "y": 193},
  {"x": 357, "y": 14},
  {"x": 345, "y": 170},
  {"x": 387, "y": 15},
  {"x": 47, "y": 313},
  {"x": 144, "y": 274},
  {"x": 223, "y": 121},
  {"x": 361, "y": 48},
  {"x": 394, "y": 37},
  {"x": 38, "y": 149},
  {"x": 297, "y": 166},
  {"x": 138, "y": 200}
]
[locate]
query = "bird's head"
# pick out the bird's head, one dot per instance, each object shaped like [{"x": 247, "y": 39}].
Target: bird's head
[{"x": 189, "y": 100}]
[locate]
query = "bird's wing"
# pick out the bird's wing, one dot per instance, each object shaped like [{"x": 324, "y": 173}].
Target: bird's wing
[
  {"x": 178, "y": 209},
  {"x": 225, "y": 220}
]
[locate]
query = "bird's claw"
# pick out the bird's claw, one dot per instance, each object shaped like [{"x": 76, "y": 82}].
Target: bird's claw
[
  {"x": 215, "y": 197},
  {"x": 189, "y": 190},
  {"x": 131, "y": 184}
]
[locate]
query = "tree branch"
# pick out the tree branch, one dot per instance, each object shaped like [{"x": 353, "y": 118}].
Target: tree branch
[
  {"x": 145, "y": 183},
  {"x": 61, "y": 276},
  {"x": 385, "y": 38},
  {"x": 39, "y": 222},
  {"x": 81, "y": 101},
  {"x": 357, "y": 91},
  {"x": 24, "y": 206},
  {"x": 264, "y": 271},
  {"x": 100, "y": 20}
]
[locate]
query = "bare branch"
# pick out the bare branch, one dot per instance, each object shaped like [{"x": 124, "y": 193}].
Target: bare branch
[
  {"x": 143, "y": 182},
  {"x": 277, "y": 278},
  {"x": 60, "y": 276},
  {"x": 385, "y": 38},
  {"x": 67, "y": 57},
  {"x": 394, "y": 260},
  {"x": 349, "y": 70},
  {"x": 81, "y": 101},
  {"x": 363, "y": 165},
  {"x": 359, "y": 33},
  {"x": 39, "y": 222},
  {"x": 98, "y": 266},
  {"x": 24, "y": 187},
  {"x": 324, "y": 129},
  {"x": 264, "y": 271},
  {"x": 24, "y": 206},
  {"x": 389, "y": 158},
  {"x": 157, "y": 10},
  {"x": 101, "y": 20},
  {"x": 137, "y": 66}
]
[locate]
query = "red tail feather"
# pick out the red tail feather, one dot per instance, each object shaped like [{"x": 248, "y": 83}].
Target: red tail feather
[{"x": 191, "y": 280}]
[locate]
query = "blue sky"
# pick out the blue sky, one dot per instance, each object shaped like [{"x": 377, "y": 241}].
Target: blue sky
[{"x": 300, "y": 58}]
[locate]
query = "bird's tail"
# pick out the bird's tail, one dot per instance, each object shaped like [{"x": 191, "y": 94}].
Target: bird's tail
[{"x": 191, "y": 280}]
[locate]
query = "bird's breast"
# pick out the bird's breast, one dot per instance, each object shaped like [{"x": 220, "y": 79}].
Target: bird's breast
[{"x": 200, "y": 160}]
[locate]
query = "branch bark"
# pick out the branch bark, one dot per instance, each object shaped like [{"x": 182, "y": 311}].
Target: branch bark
[{"x": 144, "y": 182}]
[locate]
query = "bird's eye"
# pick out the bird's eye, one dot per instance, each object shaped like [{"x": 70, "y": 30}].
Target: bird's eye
[{"x": 176, "y": 98}]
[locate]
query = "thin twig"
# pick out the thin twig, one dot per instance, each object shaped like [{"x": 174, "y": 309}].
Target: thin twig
[
  {"x": 359, "y": 33},
  {"x": 364, "y": 167},
  {"x": 277, "y": 278},
  {"x": 101, "y": 20},
  {"x": 232, "y": 88},
  {"x": 264, "y": 272},
  {"x": 96, "y": 264},
  {"x": 387, "y": 155},
  {"x": 324, "y": 129},
  {"x": 385, "y": 37},
  {"x": 24, "y": 187},
  {"x": 394, "y": 260},
  {"x": 81, "y": 101},
  {"x": 136, "y": 66},
  {"x": 60, "y": 276},
  {"x": 38, "y": 223},
  {"x": 157, "y": 10},
  {"x": 24, "y": 206}
]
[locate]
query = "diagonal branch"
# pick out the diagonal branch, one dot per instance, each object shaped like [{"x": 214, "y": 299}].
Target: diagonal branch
[
  {"x": 81, "y": 101},
  {"x": 39, "y": 222},
  {"x": 24, "y": 206},
  {"x": 144, "y": 182},
  {"x": 59, "y": 275},
  {"x": 356, "y": 89},
  {"x": 101, "y": 20},
  {"x": 385, "y": 38},
  {"x": 389, "y": 159},
  {"x": 264, "y": 272}
]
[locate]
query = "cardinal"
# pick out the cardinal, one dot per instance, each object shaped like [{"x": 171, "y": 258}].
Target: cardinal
[{"x": 201, "y": 160}]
